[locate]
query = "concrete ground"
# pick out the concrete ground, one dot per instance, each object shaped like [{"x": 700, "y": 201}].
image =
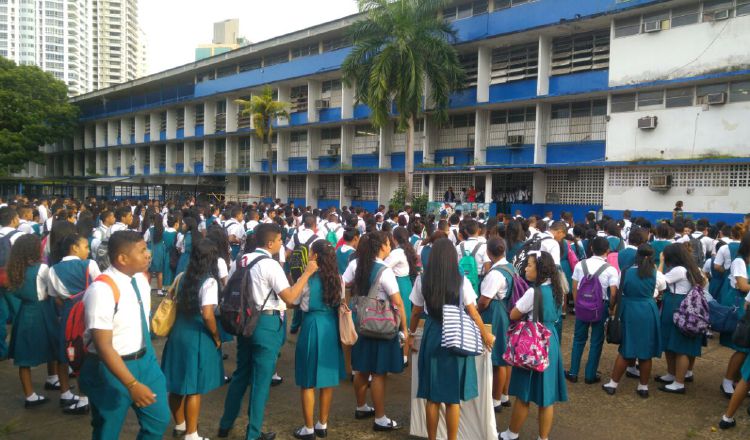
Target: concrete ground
[{"x": 590, "y": 413}]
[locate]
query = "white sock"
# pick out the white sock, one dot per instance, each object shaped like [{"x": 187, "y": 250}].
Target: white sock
[
  {"x": 364, "y": 407},
  {"x": 406, "y": 359},
  {"x": 33, "y": 397},
  {"x": 83, "y": 401},
  {"x": 192, "y": 436},
  {"x": 668, "y": 378},
  {"x": 642, "y": 387},
  {"x": 321, "y": 425},
  {"x": 634, "y": 371},
  {"x": 496, "y": 402},
  {"x": 181, "y": 427},
  {"x": 67, "y": 395},
  {"x": 727, "y": 419},
  {"x": 675, "y": 386},
  {"x": 611, "y": 384},
  {"x": 727, "y": 385},
  {"x": 504, "y": 398},
  {"x": 275, "y": 376},
  {"x": 53, "y": 379},
  {"x": 509, "y": 435},
  {"x": 689, "y": 373},
  {"x": 539, "y": 438},
  {"x": 384, "y": 421},
  {"x": 306, "y": 431}
]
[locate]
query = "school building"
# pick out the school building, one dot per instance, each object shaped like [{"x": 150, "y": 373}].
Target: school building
[{"x": 569, "y": 105}]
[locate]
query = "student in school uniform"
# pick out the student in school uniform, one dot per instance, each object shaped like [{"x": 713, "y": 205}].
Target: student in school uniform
[
  {"x": 25, "y": 217},
  {"x": 35, "y": 332},
  {"x": 214, "y": 217},
  {"x": 346, "y": 251},
  {"x": 614, "y": 237},
  {"x": 548, "y": 387},
  {"x": 514, "y": 239},
  {"x": 609, "y": 280},
  {"x": 453, "y": 233},
  {"x": 169, "y": 238},
  {"x": 155, "y": 239},
  {"x": 123, "y": 220},
  {"x": 375, "y": 357},
  {"x": 497, "y": 287},
  {"x": 121, "y": 371},
  {"x": 192, "y": 361},
  {"x": 735, "y": 296},
  {"x": 626, "y": 257},
  {"x": 257, "y": 355},
  {"x": 681, "y": 274},
  {"x": 474, "y": 242},
  {"x": 403, "y": 261},
  {"x": 319, "y": 359},
  {"x": 444, "y": 377},
  {"x": 662, "y": 240},
  {"x": 331, "y": 225},
  {"x": 743, "y": 387},
  {"x": 723, "y": 263},
  {"x": 641, "y": 330},
  {"x": 235, "y": 231},
  {"x": 189, "y": 237}
]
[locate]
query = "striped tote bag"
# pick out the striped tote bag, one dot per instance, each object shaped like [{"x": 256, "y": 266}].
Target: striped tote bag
[{"x": 460, "y": 333}]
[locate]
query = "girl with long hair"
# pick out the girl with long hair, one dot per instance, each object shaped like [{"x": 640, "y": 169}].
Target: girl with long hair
[
  {"x": 663, "y": 238},
  {"x": 514, "y": 239},
  {"x": 345, "y": 253},
  {"x": 154, "y": 237},
  {"x": 626, "y": 257},
  {"x": 548, "y": 387},
  {"x": 403, "y": 261},
  {"x": 319, "y": 359},
  {"x": 191, "y": 360},
  {"x": 34, "y": 337},
  {"x": 424, "y": 253},
  {"x": 723, "y": 263},
  {"x": 190, "y": 236},
  {"x": 641, "y": 331},
  {"x": 444, "y": 377},
  {"x": 376, "y": 357},
  {"x": 681, "y": 274},
  {"x": 169, "y": 238},
  {"x": 216, "y": 234}
]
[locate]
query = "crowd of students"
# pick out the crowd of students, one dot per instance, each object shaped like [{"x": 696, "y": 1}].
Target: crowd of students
[{"x": 109, "y": 255}]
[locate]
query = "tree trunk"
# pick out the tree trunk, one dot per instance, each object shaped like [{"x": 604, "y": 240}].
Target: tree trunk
[
  {"x": 271, "y": 183},
  {"x": 409, "y": 168}
]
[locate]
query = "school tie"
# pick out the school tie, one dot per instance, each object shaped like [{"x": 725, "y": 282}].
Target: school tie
[{"x": 144, "y": 326}]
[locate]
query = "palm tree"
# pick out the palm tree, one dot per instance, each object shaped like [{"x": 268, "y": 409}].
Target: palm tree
[
  {"x": 264, "y": 110},
  {"x": 399, "y": 48}
]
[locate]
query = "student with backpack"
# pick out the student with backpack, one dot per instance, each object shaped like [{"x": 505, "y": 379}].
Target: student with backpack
[
  {"x": 548, "y": 387},
  {"x": 35, "y": 331},
  {"x": 445, "y": 377},
  {"x": 473, "y": 261},
  {"x": 8, "y": 235},
  {"x": 682, "y": 276},
  {"x": 68, "y": 280},
  {"x": 257, "y": 354},
  {"x": 346, "y": 252},
  {"x": 639, "y": 315},
  {"x": 454, "y": 232},
  {"x": 235, "y": 230},
  {"x": 403, "y": 261},
  {"x": 121, "y": 371},
  {"x": 723, "y": 262},
  {"x": 331, "y": 230},
  {"x": 496, "y": 287},
  {"x": 594, "y": 289}
]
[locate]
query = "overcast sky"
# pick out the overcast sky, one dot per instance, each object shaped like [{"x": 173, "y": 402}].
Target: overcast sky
[{"x": 174, "y": 28}]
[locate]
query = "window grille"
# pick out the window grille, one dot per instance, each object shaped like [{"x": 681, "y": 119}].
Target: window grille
[
  {"x": 470, "y": 63},
  {"x": 368, "y": 186},
  {"x": 514, "y": 63},
  {"x": 399, "y": 138},
  {"x": 457, "y": 181},
  {"x": 245, "y": 157},
  {"x": 511, "y": 122},
  {"x": 575, "y": 187},
  {"x": 298, "y": 144},
  {"x": 366, "y": 139},
  {"x": 582, "y": 52},
  {"x": 297, "y": 187},
  {"x": 298, "y": 99},
  {"x": 331, "y": 185},
  {"x": 458, "y": 132},
  {"x": 690, "y": 176},
  {"x": 578, "y": 121}
]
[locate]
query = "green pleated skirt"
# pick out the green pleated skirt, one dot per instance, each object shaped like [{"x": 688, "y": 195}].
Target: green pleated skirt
[{"x": 318, "y": 358}]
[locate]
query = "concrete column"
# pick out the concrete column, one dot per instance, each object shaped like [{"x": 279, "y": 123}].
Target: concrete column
[
  {"x": 125, "y": 125},
  {"x": 313, "y": 149},
  {"x": 347, "y": 101},
  {"x": 187, "y": 159},
  {"x": 539, "y": 187},
  {"x": 488, "y": 188},
  {"x": 209, "y": 155},
  {"x": 140, "y": 160},
  {"x": 155, "y": 127},
  {"x": 88, "y": 136},
  {"x": 232, "y": 154},
  {"x": 344, "y": 200},
  {"x": 171, "y": 123},
  {"x": 209, "y": 117},
  {"x": 431, "y": 139},
  {"x": 311, "y": 190},
  {"x": 543, "y": 113},
  {"x": 254, "y": 193},
  {"x": 314, "y": 89},
  {"x": 282, "y": 156},
  {"x": 347, "y": 144},
  {"x": 285, "y": 94},
  {"x": 111, "y": 163},
  {"x": 282, "y": 188},
  {"x": 431, "y": 189},
  {"x": 387, "y": 186},
  {"x": 153, "y": 152},
  {"x": 171, "y": 158},
  {"x": 125, "y": 161},
  {"x": 386, "y": 143},
  {"x": 484, "y": 73},
  {"x": 101, "y": 134},
  {"x": 481, "y": 127},
  {"x": 112, "y": 132},
  {"x": 189, "y": 120},
  {"x": 232, "y": 117},
  {"x": 545, "y": 65},
  {"x": 77, "y": 165},
  {"x": 140, "y": 128},
  {"x": 78, "y": 140}
]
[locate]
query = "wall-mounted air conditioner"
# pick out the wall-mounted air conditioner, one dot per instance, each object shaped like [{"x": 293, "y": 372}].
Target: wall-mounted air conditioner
[
  {"x": 449, "y": 160},
  {"x": 715, "y": 98},
  {"x": 722, "y": 14},
  {"x": 334, "y": 150},
  {"x": 647, "y": 122},
  {"x": 321, "y": 104},
  {"x": 515, "y": 140},
  {"x": 660, "y": 182},
  {"x": 652, "y": 26}
]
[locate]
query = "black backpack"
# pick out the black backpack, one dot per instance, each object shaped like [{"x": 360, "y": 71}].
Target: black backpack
[
  {"x": 522, "y": 256},
  {"x": 696, "y": 248},
  {"x": 5, "y": 246},
  {"x": 238, "y": 313},
  {"x": 299, "y": 257}
]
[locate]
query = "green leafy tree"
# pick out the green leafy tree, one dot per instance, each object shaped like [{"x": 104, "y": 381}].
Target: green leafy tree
[
  {"x": 402, "y": 47},
  {"x": 34, "y": 111},
  {"x": 263, "y": 109}
]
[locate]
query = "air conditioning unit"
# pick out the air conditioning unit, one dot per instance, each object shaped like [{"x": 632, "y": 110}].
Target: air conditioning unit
[
  {"x": 652, "y": 26},
  {"x": 321, "y": 193},
  {"x": 334, "y": 150},
  {"x": 353, "y": 192},
  {"x": 715, "y": 98},
  {"x": 321, "y": 104},
  {"x": 721, "y": 14},
  {"x": 449, "y": 160},
  {"x": 660, "y": 182},
  {"x": 647, "y": 122},
  {"x": 515, "y": 140}
]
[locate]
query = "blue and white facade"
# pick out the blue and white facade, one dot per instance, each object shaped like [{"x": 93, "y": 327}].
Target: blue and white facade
[{"x": 570, "y": 105}]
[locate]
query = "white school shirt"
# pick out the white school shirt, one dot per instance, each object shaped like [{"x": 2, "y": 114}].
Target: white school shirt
[
  {"x": 58, "y": 289},
  {"x": 330, "y": 226},
  {"x": 533, "y": 232},
  {"x": 677, "y": 281},
  {"x": 738, "y": 269},
  {"x": 607, "y": 279},
  {"x": 48, "y": 223},
  {"x": 397, "y": 261},
  {"x": 481, "y": 256},
  {"x": 494, "y": 285},
  {"x": 266, "y": 275},
  {"x": 625, "y": 233},
  {"x": 209, "y": 292},
  {"x": 552, "y": 247},
  {"x": 417, "y": 298},
  {"x": 361, "y": 225},
  {"x": 7, "y": 230},
  {"x": 724, "y": 257},
  {"x": 223, "y": 269},
  {"x": 453, "y": 234},
  {"x": 99, "y": 303},
  {"x": 25, "y": 227},
  {"x": 251, "y": 224},
  {"x": 233, "y": 227},
  {"x": 303, "y": 234},
  {"x": 43, "y": 213},
  {"x": 525, "y": 304},
  {"x": 118, "y": 227},
  {"x": 180, "y": 242},
  {"x": 388, "y": 285}
]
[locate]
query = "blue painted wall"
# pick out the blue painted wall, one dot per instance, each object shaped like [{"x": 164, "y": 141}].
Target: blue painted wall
[
  {"x": 326, "y": 162},
  {"x": 297, "y": 164},
  {"x": 147, "y": 137},
  {"x": 264, "y": 165},
  {"x": 325, "y": 204},
  {"x": 461, "y": 156},
  {"x": 369, "y": 205},
  {"x": 162, "y": 169},
  {"x": 364, "y": 161},
  {"x": 131, "y": 170},
  {"x": 199, "y": 130},
  {"x": 398, "y": 160},
  {"x": 513, "y": 91},
  {"x": 576, "y": 152},
  {"x": 198, "y": 167},
  {"x": 180, "y": 133},
  {"x": 511, "y": 156},
  {"x": 179, "y": 168},
  {"x": 361, "y": 111},
  {"x": 579, "y": 82},
  {"x": 463, "y": 98},
  {"x": 330, "y": 114},
  {"x": 132, "y": 138},
  {"x": 146, "y": 170},
  {"x": 298, "y": 118},
  {"x": 163, "y": 135},
  {"x": 299, "y": 203}
]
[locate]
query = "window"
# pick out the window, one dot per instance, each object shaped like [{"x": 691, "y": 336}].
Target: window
[
  {"x": 743, "y": 7},
  {"x": 469, "y": 62},
  {"x": 685, "y": 15},
  {"x": 511, "y": 122},
  {"x": 578, "y": 121},
  {"x": 627, "y": 27},
  {"x": 330, "y": 134},
  {"x": 251, "y": 65},
  {"x": 680, "y": 97},
  {"x": 585, "y": 187},
  {"x": 505, "y": 4},
  {"x": 328, "y": 86},
  {"x": 335, "y": 44},
  {"x": 662, "y": 18},
  {"x": 467, "y": 10},
  {"x": 226, "y": 71},
  {"x": 298, "y": 144},
  {"x": 580, "y": 52},
  {"x": 514, "y": 63},
  {"x": 460, "y": 121},
  {"x": 298, "y": 98},
  {"x": 273, "y": 59},
  {"x": 739, "y": 91},
  {"x": 650, "y": 99},
  {"x": 310, "y": 49},
  {"x": 713, "y": 8},
  {"x": 702, "y": 91},
  {"x": 623, "y": 103}
]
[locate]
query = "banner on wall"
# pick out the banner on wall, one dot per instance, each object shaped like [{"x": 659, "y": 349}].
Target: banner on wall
[{"x": 437, "y": 208}]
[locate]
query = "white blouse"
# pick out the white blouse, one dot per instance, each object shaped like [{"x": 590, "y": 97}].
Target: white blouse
[
  {"x": 398, "y": 262},
  {"x": 677, "y": 281},
  {"x": 417, "y": 298}
]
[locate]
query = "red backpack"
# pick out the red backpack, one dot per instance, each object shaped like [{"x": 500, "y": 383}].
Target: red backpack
[{"x": 75, "y": 326}]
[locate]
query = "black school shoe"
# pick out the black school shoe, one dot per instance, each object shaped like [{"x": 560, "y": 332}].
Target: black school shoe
[
  {"x": 597, "y": 379},
  {"x": 727, "y": 425},
  {"x": 671, "y": 391},
  {"x": 298, "y": 434},
  {"x": 76, "y": 410},
  {"x": 53, "y": 386},
  {"x": 390, "y": 427},
  {"x": 359, "y": 415},
  {"x": 224, "y": 432},
  {"x": 642, "y": 393},
  {"x": 571, "y": 378},
  {"x": 41, "y": 400},
  {"x": 631, "y": 375},
  {"x": 178, "y": 432},
  {"x": 498, "y": 408},
  {"x": 609, "y": 390},
  {"x": 321, "y": 433},
  {"x": 276, "y": 382},
  {"x": 267, "y": 436},
  {"x": 727, "y": 395}
]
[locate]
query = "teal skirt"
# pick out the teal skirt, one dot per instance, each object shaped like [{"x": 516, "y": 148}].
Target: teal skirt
[
  {"x": 318, "y": 358},
  {"x": 444, "y": 377},
  {"x": 733, "y": 297},
  {"x": 404, "y": 288},
  {"x": 745, "y": 371},
  {"x": 191, "y": 362},
  {"x": 545, "y": 388},
  {"x": 182, "y": 263},
  {"x": 672, "y": 339},
  {"x": 497, "y": 315},
  {"x": 641, "y": 333},
  {"x": 158, "y": 257},
  {"x": 34, "y": 338},
  {"x": 377, "y": 356}
]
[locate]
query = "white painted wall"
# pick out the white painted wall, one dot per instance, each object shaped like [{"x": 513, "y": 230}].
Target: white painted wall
[
  {"x": 680, "y": 52},
  {"x": 682, "y": 133}
]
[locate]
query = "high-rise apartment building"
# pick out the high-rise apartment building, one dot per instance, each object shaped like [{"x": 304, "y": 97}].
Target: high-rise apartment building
[
  {"x": 226, "y": 37},
  {"x": 118, "y": 50}
]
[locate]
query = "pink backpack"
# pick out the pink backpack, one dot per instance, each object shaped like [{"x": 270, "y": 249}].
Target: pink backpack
[{"x": 528, "y": 341}]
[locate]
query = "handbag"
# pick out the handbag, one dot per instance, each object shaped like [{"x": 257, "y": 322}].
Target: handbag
[
  {"x": 166, "y": 314},
  {"x": 460, "y": 333},
  {"x": 741, "y": 335},
  {"x": 723, "y": 318},
  {"x": 347, "y": 332},
  {"x": 376, "y": 318},
  {"x": 528, "y": 341}
]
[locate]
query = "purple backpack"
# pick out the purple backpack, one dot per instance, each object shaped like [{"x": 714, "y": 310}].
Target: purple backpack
[
  {"x": 520, "y": 286},
  {"x": 589, "y": 303},
  {"x": 692, "y": 318}
]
